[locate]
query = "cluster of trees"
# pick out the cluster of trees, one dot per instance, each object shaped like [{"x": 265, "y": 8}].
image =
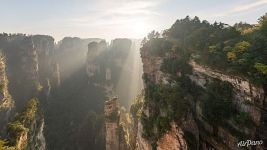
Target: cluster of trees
[
  {"x": 218, "y": 101},
  {"x": 240, "y": 49},
  {"x": 237, "y": 50}
]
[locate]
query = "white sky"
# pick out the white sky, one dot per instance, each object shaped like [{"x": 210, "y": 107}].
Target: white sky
[{"x": 117, "y": 18}]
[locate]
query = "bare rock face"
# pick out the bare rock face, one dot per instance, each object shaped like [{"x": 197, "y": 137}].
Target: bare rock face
[
  {"x": 115, "y": 131},
  {"x": 23, "y": 68},
  {"x": 91, "y": 67},
  {"x": 48, "y": 70},
  {"x": 244, "y": 91},
  {"x": 112, "y": 124},
  {"x": 141, "y": 143},
  {"x": 6, "y": 102},
  {"x": 22, "y": 141},
  {"x": 45, "y": 49},
  {"x": 56, "y": 76},
  {"x": 151, "y": 67},
  {"x": 33, "y": 138},
  {"x": 173, "y": 139},
  {"x": 94, "y": 50},
  {"x": 247, "y": 98}
]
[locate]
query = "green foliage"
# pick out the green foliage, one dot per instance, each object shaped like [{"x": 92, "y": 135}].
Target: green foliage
[
  {"x": 157, "y": 46},
  {"x": 2, "y": 144},
  {"x": 15, "y": 130},
  {"x": 166, "y": 103},
  {"x": 136, "y": 108},
  {"x": 16, "y": 127},
  {"x": 243, "y": 27},
  {"x": 22, "y": 122},
  {"x": 231, "y": 56},
  {"x": 236, "y": 50},
  {"x": 173, "y": 63},
  {"x": 243, "y": 119},
  {"x": 218, "y": 102},
  {"x": 191, "y": 140},
  {"x": 263, "y": 24},
  {"x": 163, "y": 125},
  {"x": 29, "y": 114},
  {"x": 262, "y": 68},
  {"x": 242, "y": 46},
  {"x": 239, "y": 50},
  {"x": 234, "y": 132},
  {"x": 153, "y": 35}
]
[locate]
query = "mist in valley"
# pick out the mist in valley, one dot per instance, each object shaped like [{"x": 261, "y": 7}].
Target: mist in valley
[{"x": 133, "y": 75}]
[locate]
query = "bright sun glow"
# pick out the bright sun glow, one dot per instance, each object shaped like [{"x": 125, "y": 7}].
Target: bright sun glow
[{"x": 140, "y": 29}]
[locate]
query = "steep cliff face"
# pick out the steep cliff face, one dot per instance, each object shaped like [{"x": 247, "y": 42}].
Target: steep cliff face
[
  {"x": 25, "y": 131},
  {"x": 55, "y": 78},
  {"x": 247, "y": 99},
  {"x": 112, "y": 124},
  {"x": 115, "y": 67},
  {"x": 6, "y": 101},
  {"x": 83, "y": 126},
  {"x": 92, "y": 65},
  {"x": 115, "y": 135},
  {"x": 26, "y": 58},
  {"x": 48, "y": 70},
  {"x": 70, "y": 54},
  {"x": 45, "y": 49},
  {"x": 195, "y": 129},
  {"x": 214, "y": 100},
  {"x": 172, "y": 139},
  {"x": 22, "y": 68}
]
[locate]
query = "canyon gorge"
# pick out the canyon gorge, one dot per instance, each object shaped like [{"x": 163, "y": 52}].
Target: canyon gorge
[{"x": 196, "y": 86}]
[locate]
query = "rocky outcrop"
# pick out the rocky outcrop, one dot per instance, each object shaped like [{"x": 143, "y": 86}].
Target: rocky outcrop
[
  {"x": 195, "y": 130},
  {"x": 22, "y": 68},
  {"x": 112, "y": 124},
  {"x": 36, "y": 140},
  {"x": 6, "y": 101},
  {"x": 92, "y": 67},
  {"x": 173, "y": 139},
  {"x": 32, "y": 138},
  {"x": 115, "y": 133},
  {"x": 141, "y": 143},
  {"x": 25, "y": 131},
  {"x": 45, "y": 49},
  {"x": 247, "y": 98},
  {"x": 151, "y": 67},
  {"x": 70, "y": 55},
  {"x": 55, "y": 76},
  {"x": 27, "y": 60}
]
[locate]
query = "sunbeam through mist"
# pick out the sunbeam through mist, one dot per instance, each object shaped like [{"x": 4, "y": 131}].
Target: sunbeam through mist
[{"x": 130, "y": 81}]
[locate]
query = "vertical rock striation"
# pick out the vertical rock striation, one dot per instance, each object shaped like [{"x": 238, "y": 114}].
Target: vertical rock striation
[
  {"x": 112, "y": 124},
  {"x": 6, "y": 101},
  {"x": 116, "y": 134}
]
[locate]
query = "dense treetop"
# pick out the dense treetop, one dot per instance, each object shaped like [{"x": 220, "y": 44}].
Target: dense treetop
[{"x": 240, "y": 49}]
